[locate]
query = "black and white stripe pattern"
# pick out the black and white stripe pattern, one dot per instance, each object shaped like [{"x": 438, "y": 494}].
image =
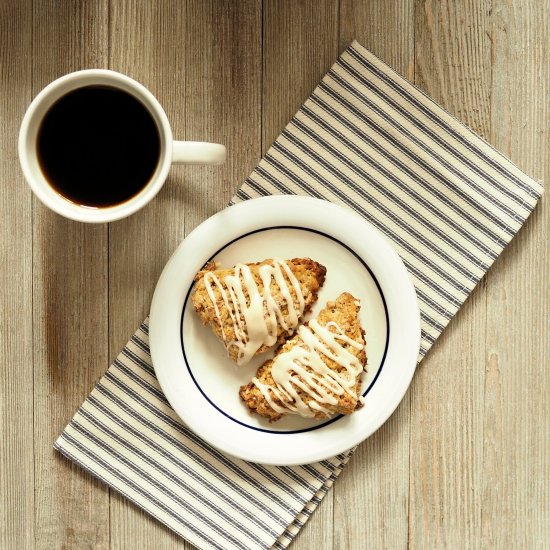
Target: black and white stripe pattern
[
  {"x": 368, "y": 140},
  {"x": 127, "y": 435}
]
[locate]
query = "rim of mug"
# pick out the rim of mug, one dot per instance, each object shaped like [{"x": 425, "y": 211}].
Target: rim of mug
[{"x": 36, "y": 178}]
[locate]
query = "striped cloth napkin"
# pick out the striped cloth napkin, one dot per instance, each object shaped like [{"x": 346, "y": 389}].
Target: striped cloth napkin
[{"x": 366, "y": 139}]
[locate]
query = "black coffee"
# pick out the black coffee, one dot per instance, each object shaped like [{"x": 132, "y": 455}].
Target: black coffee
[{"x": 98, "y": 146}]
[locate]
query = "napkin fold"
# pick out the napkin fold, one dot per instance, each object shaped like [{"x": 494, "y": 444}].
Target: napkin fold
[{"x": 366, "y": 139}]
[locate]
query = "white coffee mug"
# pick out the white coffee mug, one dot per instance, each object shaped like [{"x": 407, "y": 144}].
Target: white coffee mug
[{"x": 171, "y": 152}]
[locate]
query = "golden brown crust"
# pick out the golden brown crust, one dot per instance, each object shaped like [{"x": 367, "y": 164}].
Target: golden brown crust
[
  {"x": 345, "y": 313},
  {"x": 310, "y": 275}
]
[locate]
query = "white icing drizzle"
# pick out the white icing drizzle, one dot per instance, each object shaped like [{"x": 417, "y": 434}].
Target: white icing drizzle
[
  {"x": 303, "y": 368},
  {"x": 254, "y": 311}
]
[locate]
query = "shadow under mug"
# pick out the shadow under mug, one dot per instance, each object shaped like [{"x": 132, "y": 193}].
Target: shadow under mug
[{"x": 171, "y": 152}]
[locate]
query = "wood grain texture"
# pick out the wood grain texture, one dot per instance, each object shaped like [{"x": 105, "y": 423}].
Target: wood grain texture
[
  {"x": 453, "y": 58},
  {"x": 372, "y": 23},
  {"x": 516, "y": 424},
  {"x": 475, "y": 471},
  {"x": 202, "y": 60},
  {"x": 300, "y": 43},
  {"x": 70, "y": 303},
  {"x": 452, "y": 64},
  {"x": 464, "y": 462},
  {"x": 16, "y": 381},
  {"x": 371, "y": 497}
]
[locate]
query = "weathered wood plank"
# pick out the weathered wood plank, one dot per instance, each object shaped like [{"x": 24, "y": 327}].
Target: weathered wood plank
[
  {"x": 16, "y": 381},
  {"x": 516, "y": 426},
  {"x": 453, "y": 65},
  {"x": 476, "y": 414},
  {"x": 202, "y": 61},
  {"x": 371, "y": 498},
  {"x": 300, "y": 43},
  {"x": 70, "y": 303},
  {"x": 386, "y": 28}
]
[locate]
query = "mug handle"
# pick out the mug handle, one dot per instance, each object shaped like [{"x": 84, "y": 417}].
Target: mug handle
[{"x": 197, "y": 152}]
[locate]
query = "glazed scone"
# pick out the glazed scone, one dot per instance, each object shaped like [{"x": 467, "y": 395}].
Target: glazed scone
[
  {"x": 252, "y": 307},
  {"x": 317, "y": 373}
]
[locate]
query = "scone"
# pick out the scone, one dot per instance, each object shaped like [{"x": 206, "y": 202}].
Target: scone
[
  {"x": 317, "y": 373},
  {"x": 252, "y": 307}
]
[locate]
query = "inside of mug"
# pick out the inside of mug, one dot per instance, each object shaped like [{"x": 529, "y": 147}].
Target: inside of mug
[{"x": 30, "y": 158}]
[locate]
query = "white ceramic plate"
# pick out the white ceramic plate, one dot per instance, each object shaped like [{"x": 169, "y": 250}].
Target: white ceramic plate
[{"x": 202, "y": 384}]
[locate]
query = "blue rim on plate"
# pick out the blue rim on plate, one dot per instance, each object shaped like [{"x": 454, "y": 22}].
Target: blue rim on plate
[
  {"x": 346, "y": 235},
  {"x": 331, "y": 420}
]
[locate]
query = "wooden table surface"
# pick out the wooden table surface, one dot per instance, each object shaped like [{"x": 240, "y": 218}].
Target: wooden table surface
[{"x": 465, "y": 460}]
